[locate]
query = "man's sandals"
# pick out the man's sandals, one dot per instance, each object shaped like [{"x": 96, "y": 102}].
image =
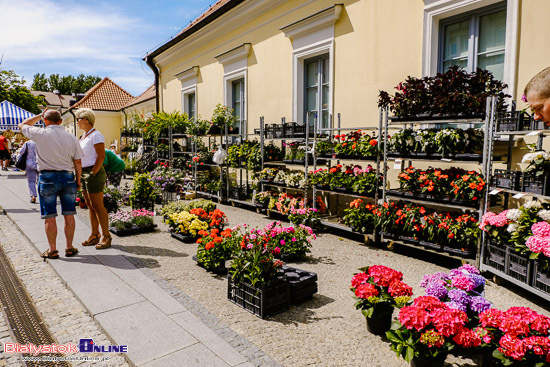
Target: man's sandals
[{"x": 55, "y": 254}]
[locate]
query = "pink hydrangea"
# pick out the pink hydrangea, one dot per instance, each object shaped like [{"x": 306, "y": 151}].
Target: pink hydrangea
[
  {"x": 541, "y": 229},
  {"x": 463, "y": 282},
  {"x": 537, "y": 243}
]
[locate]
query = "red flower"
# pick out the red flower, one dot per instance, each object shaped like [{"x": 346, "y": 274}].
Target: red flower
[{"x": 366, "y": 290}]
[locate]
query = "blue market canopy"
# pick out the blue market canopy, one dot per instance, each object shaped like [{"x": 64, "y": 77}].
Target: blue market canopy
[{"x": 12, "y": 115}]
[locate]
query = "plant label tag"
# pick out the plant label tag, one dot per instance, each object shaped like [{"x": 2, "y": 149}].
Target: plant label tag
[
  {"x": 519, "y": 195},
  {"x": 446, "y": 159},
  {"x": 178, "y": 197},
  {"x": 397, "y": 164},
  {"x": 495, "y": 191},
  {"x": 534, "y": 133}
]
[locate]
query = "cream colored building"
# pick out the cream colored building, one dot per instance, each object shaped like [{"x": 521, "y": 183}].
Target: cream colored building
[
  {"x": 281, "y": 58},
  {"x": 113, "y": 107}
]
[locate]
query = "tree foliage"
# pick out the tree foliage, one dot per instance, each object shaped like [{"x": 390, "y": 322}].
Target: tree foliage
[
  {"x": 13, "y": 89},
  {"x": 64, "y": 84}
]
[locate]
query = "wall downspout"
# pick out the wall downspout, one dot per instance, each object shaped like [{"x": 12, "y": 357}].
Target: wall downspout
[{"x": 153, "y": 67}]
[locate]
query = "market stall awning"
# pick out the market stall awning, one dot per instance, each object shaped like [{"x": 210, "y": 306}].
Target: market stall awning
[{"x": 12, "y": 115}]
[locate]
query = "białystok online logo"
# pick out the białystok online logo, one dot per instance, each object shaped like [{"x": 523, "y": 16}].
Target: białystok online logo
[{"x": 84, "y": 346}]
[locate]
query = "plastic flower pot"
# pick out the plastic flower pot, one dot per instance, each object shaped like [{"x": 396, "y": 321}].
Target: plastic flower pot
[
  {"x": 423, "y": 361},
  {"x": 380, "y": 321}
]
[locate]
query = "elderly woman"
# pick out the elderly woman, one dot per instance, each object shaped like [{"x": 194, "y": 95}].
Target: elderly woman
[
  {"x": 31, "y": 168},
  {"x": 93, "y": 178}
]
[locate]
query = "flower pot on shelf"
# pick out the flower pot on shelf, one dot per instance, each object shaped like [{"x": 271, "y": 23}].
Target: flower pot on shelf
[
  {"x": 466, "y": 253},
  {"x": 495, "y": 256},
  {"x": 380, "y": 321}
]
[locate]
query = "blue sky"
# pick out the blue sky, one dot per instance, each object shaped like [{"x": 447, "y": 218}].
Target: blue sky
[{"x": 102, "y": 38}]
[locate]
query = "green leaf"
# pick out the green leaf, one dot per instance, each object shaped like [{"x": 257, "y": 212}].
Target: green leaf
[{"x": 410, "y": 354}]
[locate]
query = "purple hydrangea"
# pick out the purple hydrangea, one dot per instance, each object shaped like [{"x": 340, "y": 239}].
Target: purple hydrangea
[
  {"x": 434, "y": 278},
  {"x": 479, "y": 304},
  {"x": 479, "y": 280},
  {"x": 437, "y": 290},
  {"x": 459, "y": 296},
  {"x": 470, "y": 269},
  {"x": 456, "y": 306}
]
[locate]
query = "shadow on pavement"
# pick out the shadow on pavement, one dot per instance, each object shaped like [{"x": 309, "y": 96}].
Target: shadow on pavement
[
  {"x": 22, "y": 211},
  {"x": 303, "y": 313},
  {"x": 152, "y": 251},
  {"x": 17, "y": 177}
]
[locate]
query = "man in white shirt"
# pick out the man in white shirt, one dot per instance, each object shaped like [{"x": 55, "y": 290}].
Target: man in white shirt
[{"x": 58, "y": 154}]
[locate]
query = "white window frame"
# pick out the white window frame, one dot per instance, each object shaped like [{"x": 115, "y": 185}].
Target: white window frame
[
  {"x": 437, "y": 11},
  {"x": 188, "y": 79},
  {"x": 185, "y": 93},
  {"x": 235, "y": 66},
  {"x": 311, "y": 36}
]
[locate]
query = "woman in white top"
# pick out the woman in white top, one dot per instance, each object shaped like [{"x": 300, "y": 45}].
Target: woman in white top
[{"x": 93, "y": 178}]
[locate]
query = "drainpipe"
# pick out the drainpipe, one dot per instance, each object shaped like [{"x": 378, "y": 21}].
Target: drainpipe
[
  {"x": 74, "y": 120},
  {"x": 153, "y": 67}
]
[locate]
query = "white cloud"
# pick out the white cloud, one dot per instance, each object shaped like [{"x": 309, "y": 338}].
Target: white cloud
[{"x": 70, "y": 38}]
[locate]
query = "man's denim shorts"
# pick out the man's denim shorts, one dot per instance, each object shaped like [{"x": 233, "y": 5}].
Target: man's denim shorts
[{"x": 53, "y": 184}]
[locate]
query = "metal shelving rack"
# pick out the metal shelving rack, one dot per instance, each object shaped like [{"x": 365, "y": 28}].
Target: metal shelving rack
[
  {"x": 489, "y": 124},
  {"x": 527, "y": 267},
  {"x": 283, "y": 139},
  {"x": 326, "y": 222}
]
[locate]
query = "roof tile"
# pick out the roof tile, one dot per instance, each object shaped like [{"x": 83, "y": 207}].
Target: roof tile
[{"x": 105, "y": 95}]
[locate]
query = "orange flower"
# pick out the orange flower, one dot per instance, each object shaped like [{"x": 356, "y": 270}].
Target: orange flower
[
  {"x": 472, "y": 185},
  {"x": 209, "y": 245},
  {"x": 373, "y": 142},
  {"x": 465, "y": 178},
  {"x": 218, "y": 240}
]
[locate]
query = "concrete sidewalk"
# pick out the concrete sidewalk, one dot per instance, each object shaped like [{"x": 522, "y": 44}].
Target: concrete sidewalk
[{"x": 131, "y": 308}]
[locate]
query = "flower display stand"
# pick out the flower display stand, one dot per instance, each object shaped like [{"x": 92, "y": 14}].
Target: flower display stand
[
  {"x": 132, "y": 230},
  {"x": 541, "y": 280},
  {"x": 263, "y": 300}
]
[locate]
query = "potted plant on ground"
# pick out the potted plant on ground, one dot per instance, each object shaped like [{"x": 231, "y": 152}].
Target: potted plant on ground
[
  {"x": 215, "y": 248},
  {"x": 143, "y": 193},
  {"x": 261, "y": 199},
  {"x": 377, "y": 290}
]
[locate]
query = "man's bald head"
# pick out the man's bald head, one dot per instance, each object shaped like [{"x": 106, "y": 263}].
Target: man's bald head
[{"x": 53, "y": 116}]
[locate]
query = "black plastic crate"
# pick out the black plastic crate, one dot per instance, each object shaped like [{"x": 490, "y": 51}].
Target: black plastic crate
[
  {"x": 519, "y": 266},
  {"x": 507, "y": 179},
  {"x": 262, "y": 301},
  {"x": 513, "y": 121},
  {"x": 495, "y": 257},
  {"x": 541, "y": 280},
  {"x": 535, "y": 184}
]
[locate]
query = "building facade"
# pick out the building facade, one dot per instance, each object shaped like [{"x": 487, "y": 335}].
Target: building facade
[{"x": 280, "y": 58}]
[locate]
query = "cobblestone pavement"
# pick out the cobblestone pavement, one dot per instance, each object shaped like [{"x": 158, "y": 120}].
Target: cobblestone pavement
[
  {"x": 64, "y": 316},
  {"x": 325, "y": 331}
]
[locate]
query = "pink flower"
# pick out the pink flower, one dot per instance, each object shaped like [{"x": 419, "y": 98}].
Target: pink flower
[
  {"x": 541, "y": 229},
  {"x": 366, "y": 291},
  {"x": 358, "y": 279},
  {"x": 537, "y": 243},
  {"x": 293, "y": 239},
  {"x": 277, "y": 250},
  {"x": 463, "y": 282},
  {"x": 283, "y": 242}
]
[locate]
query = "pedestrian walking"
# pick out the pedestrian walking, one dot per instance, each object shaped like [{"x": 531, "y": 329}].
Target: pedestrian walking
[
  {"x": 58, "y": 161},
  {"x": 31, "y": 168},
  {"x": 114, "y": 168},
  {"x": 5, "y": 155},
  {"x": 537, "y": 94},
  {"x": 93, "y": 178}
]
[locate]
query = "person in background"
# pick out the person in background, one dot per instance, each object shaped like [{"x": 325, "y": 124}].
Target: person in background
[
  {"x": 114, "y": 167},
  {"x": 537, "y": 95},
  {"x": 93, "y": 178},
  {"x": 58, "y": 154},
  {"x": 4, "y": 153},
  {"x": 31, "y": 169}
]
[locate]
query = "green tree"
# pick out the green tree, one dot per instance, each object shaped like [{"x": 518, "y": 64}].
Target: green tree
[
  {"x": 13, "y": 89},
  {"x": 64, "y": 84}
]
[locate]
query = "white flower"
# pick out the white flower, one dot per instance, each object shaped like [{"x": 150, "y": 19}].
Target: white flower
[
  {"x": 532, "y": 204},
  {"x": 418, "y": 138},
  {"x": 410, "y": 142},
  {"x": 530, "y": 157},
  {"x": 544, "y": 214},
  {"x": 513, "y": 214},
  {"x": 512, "y": 227}
]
